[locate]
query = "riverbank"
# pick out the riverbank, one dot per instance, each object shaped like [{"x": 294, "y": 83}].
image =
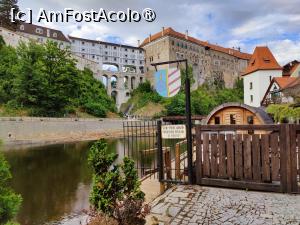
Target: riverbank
[{"x": 42, "y": 131}]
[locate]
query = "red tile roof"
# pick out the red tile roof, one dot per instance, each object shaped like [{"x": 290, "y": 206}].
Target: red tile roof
[
  {"x": 262, "y": 59},
  {"x": 170, "y": 32},
  {"x": 290, "y": 67},
  {"x": 31, "y": 29},
  {"x": 293, "y": 83},
  {"x": 284, "y": 81}
]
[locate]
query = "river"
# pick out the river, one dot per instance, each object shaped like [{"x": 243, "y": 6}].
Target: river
[{"x": 54, "y": 180}]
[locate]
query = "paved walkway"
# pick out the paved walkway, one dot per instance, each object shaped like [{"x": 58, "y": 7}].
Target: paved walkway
[{"x": 204, "y": 205}]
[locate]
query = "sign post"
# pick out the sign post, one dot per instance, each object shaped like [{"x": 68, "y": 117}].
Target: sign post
[{"x": 173, "y": 92}]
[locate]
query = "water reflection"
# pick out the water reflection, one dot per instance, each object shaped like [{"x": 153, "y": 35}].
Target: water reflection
[{"x": 54, "y": 180}]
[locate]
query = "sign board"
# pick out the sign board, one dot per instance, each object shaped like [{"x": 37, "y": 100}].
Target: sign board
[
  {"x": 173, "y": 131},
  {"x": 167, "y": 82}
]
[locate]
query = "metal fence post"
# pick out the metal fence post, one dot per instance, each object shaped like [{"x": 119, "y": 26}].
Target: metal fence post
[{"x": 159, "y": 153}]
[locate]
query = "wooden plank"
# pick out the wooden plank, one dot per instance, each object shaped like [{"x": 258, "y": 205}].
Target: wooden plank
[
  {"x": 222, "y": 158},
  {"x": 206, "y": 158},
  {"x": 298, "y": 146},
  {"x": 283, "y": 157},
  {"x": 177, "y": 161},
  {"x": 275, "y": 161},
  {"x": 198, "y": 156},
  {"x": 288, "y": 159},
  {"x": 168, "y": 165},
  {"x": 247, "y": 157},
  {"x": 274, "y": 127},
  {"x": 265, "y": 156},
  {"x": 256, "y": 157},
  {"x": 230, "y": 156},
  {"x": 238, "y": 156},
  {"x": 293, "y": 158},
  {"x": 214, "y": 155},
  {"x": 273, "y": 187}
]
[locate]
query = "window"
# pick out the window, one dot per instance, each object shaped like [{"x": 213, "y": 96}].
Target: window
[
  {"x": 93, "y": 44},
  {"x": 115, "y": 59},
  {"x": 173, "y": 42},
  {"x": 39, "y": 31},
  {"x": 133, "y": 61},
  {"x": 105, "y": 53},
  {"x": 93, "y": 56},
  {"x": 217, "y": 120},
  {"x": 125, "y": 49},
  {"x": 141, "y": 51},
  {"x": 73, "y": 41},
  {"x": 251, "y": 98},
  {"x": 82, "y": 42},
  {"x": 251, "y": 85},
  {"x": 115, "y": 47},
  {"x": 55, "y": 35},
  {"x": 125, "y": 55},
  {"x": 105, "y": 46},
  {"x": 83, "y": 55},
  {"x": 106, "y": 58},
  {"x": 141, "y": 61},
  {"x": 126, "y": 60},
  {"x": 132, "y": 50},
  {"x": 250, "y": 119},
  {"x": 83, "y": 49},
  {"x": 232, "y": 119}
]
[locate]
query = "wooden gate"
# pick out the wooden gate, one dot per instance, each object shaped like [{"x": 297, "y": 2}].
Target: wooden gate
[{"x": 257, "y": 157}]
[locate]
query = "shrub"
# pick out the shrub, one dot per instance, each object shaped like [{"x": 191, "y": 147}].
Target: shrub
[
  {"x": 9, "y": 201},
  {"x": 96, "y": 109},
  {"x": 116, "y": 188}
]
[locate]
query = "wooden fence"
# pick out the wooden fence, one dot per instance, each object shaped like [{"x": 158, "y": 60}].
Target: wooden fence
[{"x": 257, "y": 157}]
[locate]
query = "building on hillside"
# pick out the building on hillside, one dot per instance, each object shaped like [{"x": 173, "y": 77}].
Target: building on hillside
[
  {"x": 210, "y": 62},
  {"x": 12, "y": 38},
  {"x": 121, "y": 67},
  {"x": 42, "y": 34},
  {"x": 238, "y": 113},
  {"x": 291, "y": 69},
  {"x": 262, "y": 68},
  {"x": 279, "y": 91}
]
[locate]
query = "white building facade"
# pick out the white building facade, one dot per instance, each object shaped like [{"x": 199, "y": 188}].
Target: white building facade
[{"x": 261, "y": 70}]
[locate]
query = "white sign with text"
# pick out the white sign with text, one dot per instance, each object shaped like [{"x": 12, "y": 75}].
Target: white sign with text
[{"x": 173, "y": 131}]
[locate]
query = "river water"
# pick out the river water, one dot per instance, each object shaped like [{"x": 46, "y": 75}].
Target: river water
[{"x": 54, "y": 180}]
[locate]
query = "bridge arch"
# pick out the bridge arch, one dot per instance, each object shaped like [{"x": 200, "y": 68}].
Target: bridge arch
[
  {"x": 108, "y": 66},
  {"x": 114, "y": 81}
]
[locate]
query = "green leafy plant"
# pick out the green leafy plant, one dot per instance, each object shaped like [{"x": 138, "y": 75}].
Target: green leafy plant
[
  {"x": 283, "y": 113},
  {"x": 116, "y": 188},
  {"x": 9, "y": 201}
]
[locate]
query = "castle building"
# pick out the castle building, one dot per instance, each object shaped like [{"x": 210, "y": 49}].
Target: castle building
[
  {"x": 121, "y": 66},
  {"x": 42, "y": 34},
  {"x": 261, "y": 70},
  {"x": 210, "y": 62}
]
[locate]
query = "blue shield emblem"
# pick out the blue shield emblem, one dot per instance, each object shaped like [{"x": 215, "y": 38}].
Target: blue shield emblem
[{"x": 167, "y": 82}]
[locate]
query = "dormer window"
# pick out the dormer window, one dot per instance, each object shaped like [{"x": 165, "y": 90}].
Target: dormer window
[
  {"x": 266, "y": 60},
  {"x": 252, "y": 63},
  {"x": 55, "y": 35},
  {"x": 39, "y": 30}
]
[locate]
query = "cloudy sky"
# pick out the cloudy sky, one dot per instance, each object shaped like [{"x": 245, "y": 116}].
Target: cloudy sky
[{"x": 230, "y": 23}]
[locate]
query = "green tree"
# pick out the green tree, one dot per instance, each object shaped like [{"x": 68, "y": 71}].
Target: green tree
[
  {"x": 8, "y": 66},
  {"x": 116, "y": 188},
  {"x": 9, "y": 201},
  {"x": 5, "y": 13},
  {"x": 2, "y": 42}
]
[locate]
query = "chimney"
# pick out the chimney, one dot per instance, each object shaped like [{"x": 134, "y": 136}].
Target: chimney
[
  {"x": 186, "y": 34},
  {"x": 138, "y": 42},
  {"x": 239, "y": 49},
  {"x": 162, "y": 31},
  {"x": 149, "y": 38}
]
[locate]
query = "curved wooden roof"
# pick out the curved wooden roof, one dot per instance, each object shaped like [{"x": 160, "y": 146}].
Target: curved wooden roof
[{"x": 260, "y": 113}]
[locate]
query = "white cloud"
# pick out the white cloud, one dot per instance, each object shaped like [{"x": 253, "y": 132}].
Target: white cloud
[{"x": 285, "y": 50}]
